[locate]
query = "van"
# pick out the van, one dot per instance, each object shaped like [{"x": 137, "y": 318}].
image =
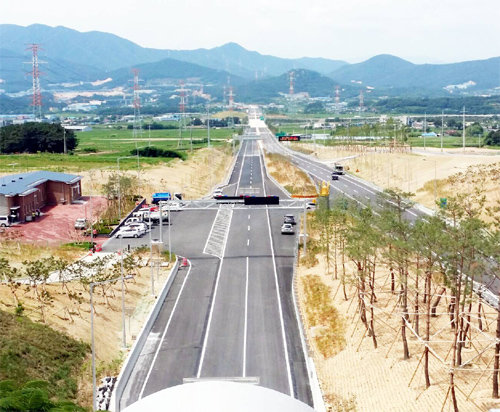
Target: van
[{"x": 4, "y": 221}]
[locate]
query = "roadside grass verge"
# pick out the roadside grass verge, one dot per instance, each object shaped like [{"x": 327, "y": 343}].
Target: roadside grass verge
[
  {"x": 32, "y": 351},
  {"x": 322, "y": 316},
  {"x": 296, "y": 181}
]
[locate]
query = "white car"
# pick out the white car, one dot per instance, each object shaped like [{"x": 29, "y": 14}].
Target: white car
[
  {"x": 218, "y": 192},
  {"x": 81, "y": 223},
  {"x": 311, "y": 205},
  {"x": 140, "y": 226},
  {"x": 130, "y": 232},
  {"x": 287, "y": 229},
  {"x": 4, "y": 221},
  {"x": 132, "y": 220},
  {"x": 173, "y": 206}
]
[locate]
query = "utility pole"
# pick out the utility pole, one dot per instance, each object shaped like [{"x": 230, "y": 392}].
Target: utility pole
[
  {"x": 208, "y": 126},
  {"x": 463, "y": 128},
  {"x": 442, "y": 129},
  {"x": 64, "y": 139}
]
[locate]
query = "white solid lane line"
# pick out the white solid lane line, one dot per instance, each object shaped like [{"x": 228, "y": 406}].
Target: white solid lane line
[
  {"x": 248, "y": 227},
  {"x": 246, "y": 325},
  {"x": 165, "y": 332}
]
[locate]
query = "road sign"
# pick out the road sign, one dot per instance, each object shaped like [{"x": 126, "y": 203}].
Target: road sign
[{"x": 443, "y": 202}]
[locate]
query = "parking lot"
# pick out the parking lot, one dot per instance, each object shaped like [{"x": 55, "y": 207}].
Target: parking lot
[{"x": 55, "y": 225}]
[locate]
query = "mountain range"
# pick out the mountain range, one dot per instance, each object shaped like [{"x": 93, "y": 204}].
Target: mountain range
[{"x": 78, "y": 58}]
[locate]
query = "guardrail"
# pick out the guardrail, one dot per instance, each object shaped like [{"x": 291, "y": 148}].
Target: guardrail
[
  {"x": 135, "y": 209},
  {"x": 136, "y": 350}
]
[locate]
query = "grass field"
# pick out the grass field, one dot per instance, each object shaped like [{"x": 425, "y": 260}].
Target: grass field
[
  {"x": 30, "y": 351},
  {"x": 101, "y": 147}
]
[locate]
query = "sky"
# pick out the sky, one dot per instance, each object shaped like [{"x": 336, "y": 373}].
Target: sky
[{"x": 422, "y": 31}]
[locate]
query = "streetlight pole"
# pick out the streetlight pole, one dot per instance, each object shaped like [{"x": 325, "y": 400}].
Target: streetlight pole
[
  {"x": 92, "y": 285},
  {"x": 208, "y": 126},
  {"x": 305, "y": 229},
  {"x": 169, "y": 239},
  {"x": 124, "y": 334}
]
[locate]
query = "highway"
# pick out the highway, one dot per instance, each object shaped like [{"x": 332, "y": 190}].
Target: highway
[
  {"x": 362, "y": 192},
  {"x": 230, "y": 313}
]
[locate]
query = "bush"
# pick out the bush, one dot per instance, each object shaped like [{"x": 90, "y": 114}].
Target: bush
[
  {"x": 493, "y": 138},
  {"x": 152, "y": 151},
  {"x": 90, "y": 150}
]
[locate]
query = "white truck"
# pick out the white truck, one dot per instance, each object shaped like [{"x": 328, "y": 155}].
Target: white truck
[{"x": 338, "y": 169}]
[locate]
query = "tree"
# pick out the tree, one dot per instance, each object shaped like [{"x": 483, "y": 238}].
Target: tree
[
  {"x": 36, "y": 137},
  {"x": 475, "y": 129},
  {"x": 493, "y": 138},
  {"x": 398, "y": 232},
  {"x": 427, "y": 236}
]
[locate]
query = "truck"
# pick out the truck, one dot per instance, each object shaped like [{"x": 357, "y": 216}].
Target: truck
[
  {"x": 161, "y": 197},
  {"x": 338, "y": 169}
]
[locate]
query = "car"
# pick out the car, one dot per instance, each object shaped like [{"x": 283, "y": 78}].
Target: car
[
  {"x": 4, "y": 221},
  {"x": 129, "y": 232},
  {"x": 289, "y": 219},
  {"x": 218, "y": 192},
  {"x": 335, "y": 176},
  {"x": 155, "y": 216},
  {"x": 135, "y": 219},
  {"x": 173, "y": 206},
  {"x": 311, "y": 205},
  {"x": 287, "y": 229},
  {"x": 139, "y": 225},
  {"x": 81, "y": 223}
]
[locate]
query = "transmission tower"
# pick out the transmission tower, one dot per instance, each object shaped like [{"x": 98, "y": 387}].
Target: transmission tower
[
  {"x": 137, "y": 105},
  {"x": 337, "y": 99},
  {"x": 291, "y": 76},
  {"x": 361, "y": 101},
  {"x": 36, "y": 101},
  {"x": 182, "y": 108}
]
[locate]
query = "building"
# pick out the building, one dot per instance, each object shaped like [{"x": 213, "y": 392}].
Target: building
[{"x": 22, "y": 194}]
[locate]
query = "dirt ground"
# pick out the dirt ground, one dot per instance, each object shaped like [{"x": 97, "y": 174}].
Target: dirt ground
[
  {"x": 56, "y": 223},
  {"x": 413, "y": 172},
  {"x": 368, "y": 379},
  {"x": 193, "y": 178},
  {"x": 73, "y": 317}
]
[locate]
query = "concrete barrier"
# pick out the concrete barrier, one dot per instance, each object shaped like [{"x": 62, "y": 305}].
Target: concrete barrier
[{"x": 138, "y": 345}]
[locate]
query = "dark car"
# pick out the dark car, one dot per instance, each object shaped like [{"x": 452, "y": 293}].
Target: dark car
[
  {"x": 290, "y": 219},
  {"x": 335, "y": 176}
]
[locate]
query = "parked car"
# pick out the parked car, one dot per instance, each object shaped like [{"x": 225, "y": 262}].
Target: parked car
[
  {"x": 81, "y": 223},
  {"x": 155, "y": 216},
  {"x": 173, "y": 206},
  {"x": 290, "y": 219},
  {"x": 135, "y": 219},
  {"x": 139, "y": 225},
  {"x": 130, "y": 232},
  {"x": 287, "y": 229},
  {"x": 4, "y": 221}
]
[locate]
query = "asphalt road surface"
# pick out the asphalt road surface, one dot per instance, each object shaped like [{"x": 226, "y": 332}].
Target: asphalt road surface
[
  {"x": 362, "y": 192},
  {"x": 231, "y": 313}
]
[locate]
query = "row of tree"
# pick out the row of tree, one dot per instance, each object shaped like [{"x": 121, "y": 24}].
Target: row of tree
[
  {"x": 432, "y": 253},
  {"x": 35, "y": 137}
]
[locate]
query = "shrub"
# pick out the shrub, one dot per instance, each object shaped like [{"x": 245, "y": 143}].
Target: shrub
[{"x": 152, "y": 151}]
